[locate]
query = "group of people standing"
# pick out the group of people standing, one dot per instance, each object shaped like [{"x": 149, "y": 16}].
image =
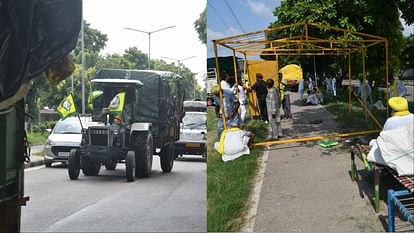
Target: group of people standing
[
  {"x": 364, "y": 91},
  {"x": 269, "y": 100}
]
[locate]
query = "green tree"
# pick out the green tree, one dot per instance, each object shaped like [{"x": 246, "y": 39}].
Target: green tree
[
  {"x": 188, "y": 78},
  {"x": 200, "y": 26},
  {"x": 357, "y": 15},
  {"x": 137, "y": 58},
  {"x": 407, "y": 54},
  {"x": 114, "y": 61},
  {"x": 407, "y": 10},
  {"x": 94, "y": 40}
]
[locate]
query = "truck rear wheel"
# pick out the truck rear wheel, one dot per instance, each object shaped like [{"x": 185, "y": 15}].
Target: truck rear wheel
[
  {"x": 130, "y": 166},
  {"x": 74, "y": 164},
  {"x": 143, "y": 154},
  {"x": 90, "y": 168},
  {"x": 167, "y": 156}
]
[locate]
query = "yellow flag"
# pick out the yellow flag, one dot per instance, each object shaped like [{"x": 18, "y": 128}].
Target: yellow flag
[
  {"x": 90, "y": 98},
  {"x": 117, "y": 103},
  {"x": 67, "y": 107}
]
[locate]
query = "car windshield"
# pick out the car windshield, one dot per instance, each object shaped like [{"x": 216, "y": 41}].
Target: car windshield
[
  {"x": 68, "y": 126},
  {"x": 194, "y": 121}
]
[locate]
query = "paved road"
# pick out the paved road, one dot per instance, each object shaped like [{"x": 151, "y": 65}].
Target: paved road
[
  {"x": 163, "y": 202},
  {"x": 410, "y": 93}
]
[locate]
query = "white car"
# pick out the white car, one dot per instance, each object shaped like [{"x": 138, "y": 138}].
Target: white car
[
  {"x": 65, "y": 136},
  {"x": 193, "y": 135}
]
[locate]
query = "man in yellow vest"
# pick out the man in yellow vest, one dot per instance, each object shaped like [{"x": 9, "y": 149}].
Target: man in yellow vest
[{"x": 397, "y": 87}]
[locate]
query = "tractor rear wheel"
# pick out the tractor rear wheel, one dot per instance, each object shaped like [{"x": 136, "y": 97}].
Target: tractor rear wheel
[{"x": 143, "y": 154}]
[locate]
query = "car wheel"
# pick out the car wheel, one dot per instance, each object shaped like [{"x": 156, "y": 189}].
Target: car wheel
[
  {"x": 167, "y": 157},
  {"x": 143, "y": 154},
  {"x": 111, "y": 165},
  {"x": 90, "y": 168},
  {"x": 130, "y": 166},
  {"x": 48, "y": 163},
  {"x": 74, "y": 164}
]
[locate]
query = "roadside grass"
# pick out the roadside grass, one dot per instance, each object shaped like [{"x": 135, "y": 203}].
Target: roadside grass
[
  {"x": 357, "y": 120},
  {"x": 229, "y": 184},
  {"x": 40, "y": 153},
  {"x": 37, "y": 138}
]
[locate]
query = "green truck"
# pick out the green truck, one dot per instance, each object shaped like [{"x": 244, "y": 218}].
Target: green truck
[{"x": 153, "y": 107}]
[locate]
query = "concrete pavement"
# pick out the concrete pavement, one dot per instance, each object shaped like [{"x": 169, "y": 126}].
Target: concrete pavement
[{"x": 307, "y": 188}]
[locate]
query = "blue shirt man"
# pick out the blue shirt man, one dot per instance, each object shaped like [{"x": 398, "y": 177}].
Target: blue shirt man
[{"x": 231, "y": 107}]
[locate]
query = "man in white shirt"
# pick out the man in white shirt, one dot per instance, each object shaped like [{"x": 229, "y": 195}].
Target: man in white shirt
[
  {"x": 225, "y": 81},
  {"x": 301, "y": 89},
  {"x": 334, "y": 85},
  {"x": 242, "y": 101}
]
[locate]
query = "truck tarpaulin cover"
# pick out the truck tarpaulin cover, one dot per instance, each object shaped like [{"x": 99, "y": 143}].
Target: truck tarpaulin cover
[
  {"x": 159, "y": 100},
  {"x": 34, "y": 34}
]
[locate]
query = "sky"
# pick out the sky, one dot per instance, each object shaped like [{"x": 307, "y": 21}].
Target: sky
[
  {"x": 253, "y": 15},
  {"x": 111, "y": 16}
]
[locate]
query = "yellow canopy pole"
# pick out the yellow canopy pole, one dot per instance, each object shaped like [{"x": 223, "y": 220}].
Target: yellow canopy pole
[
  {"x": 244, "y": 67},
  {"x": 386, "y": 76},
  {"x": 277, "y": 71},
  {"x": 223, "y": 114},
  {"x": 350, "y": 85},
  {"x": 235, "y": 73},
  {"x": 315, "y": 138},
  {"x": 365, "y": 86},
  {"x": 370, "y": 114}
]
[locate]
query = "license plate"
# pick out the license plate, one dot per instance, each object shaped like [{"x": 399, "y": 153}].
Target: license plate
[
  {"x": 192, "y": 145},
  {"x": 63, "y": 154}
]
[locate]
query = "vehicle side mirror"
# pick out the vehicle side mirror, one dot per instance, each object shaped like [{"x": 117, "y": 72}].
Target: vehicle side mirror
[{"x": 49, "y": 131}]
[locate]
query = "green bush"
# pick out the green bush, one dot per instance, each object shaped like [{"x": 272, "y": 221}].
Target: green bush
[{"x": 41, "y": 127}]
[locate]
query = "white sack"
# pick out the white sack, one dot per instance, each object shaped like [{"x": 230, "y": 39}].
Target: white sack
[{"x": 235, "y": 145}]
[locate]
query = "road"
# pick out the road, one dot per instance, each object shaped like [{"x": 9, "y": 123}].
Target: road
[{"x": 163, "y": 202}]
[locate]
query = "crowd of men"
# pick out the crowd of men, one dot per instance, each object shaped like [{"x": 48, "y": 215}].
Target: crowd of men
[{"x": 271, "y": 98}]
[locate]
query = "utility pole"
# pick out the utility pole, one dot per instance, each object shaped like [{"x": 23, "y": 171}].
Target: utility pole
[
  {"x": 83, "y": 65},
  {"x": 149, "y": 40}
]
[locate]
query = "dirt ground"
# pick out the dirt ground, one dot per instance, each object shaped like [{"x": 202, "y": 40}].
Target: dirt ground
[{"x": 307, "y": 188}]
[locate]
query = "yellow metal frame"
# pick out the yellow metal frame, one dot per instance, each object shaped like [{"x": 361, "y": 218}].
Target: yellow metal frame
[{"x": 303, "y": 42}]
